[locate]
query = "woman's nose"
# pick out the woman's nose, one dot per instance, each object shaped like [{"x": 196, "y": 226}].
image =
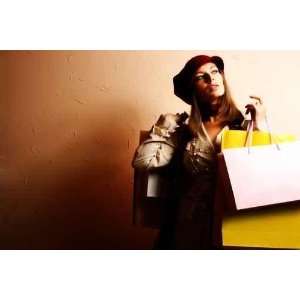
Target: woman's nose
[{"x": 207, "y": 78}]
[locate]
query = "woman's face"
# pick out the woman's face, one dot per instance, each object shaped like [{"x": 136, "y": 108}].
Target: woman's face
[{"x": 208, "y": 82}]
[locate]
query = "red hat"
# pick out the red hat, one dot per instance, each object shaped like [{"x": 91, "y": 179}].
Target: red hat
[{"x": 182, "y": 81}]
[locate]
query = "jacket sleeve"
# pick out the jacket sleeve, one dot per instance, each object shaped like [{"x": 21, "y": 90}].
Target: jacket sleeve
[{"x": 156, "y": 151}]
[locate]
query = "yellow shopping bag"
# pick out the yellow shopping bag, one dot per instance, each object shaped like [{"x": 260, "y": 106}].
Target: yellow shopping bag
[
  {"x": 269, "y": 227},
  {"x": 237, "y": 138}
]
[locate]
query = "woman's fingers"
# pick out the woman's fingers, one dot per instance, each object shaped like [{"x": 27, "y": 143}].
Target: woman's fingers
[
  {"x": 259, "y": 100},
  {"x": 256, "y": 108},
  {"x": 250, "y": 108}
]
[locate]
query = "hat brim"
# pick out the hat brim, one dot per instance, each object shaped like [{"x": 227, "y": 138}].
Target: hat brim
[{"x": 218, "y": 61}]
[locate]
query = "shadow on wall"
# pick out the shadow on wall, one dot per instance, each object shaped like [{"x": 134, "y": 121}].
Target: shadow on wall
[{"x": 79, "y": 199}]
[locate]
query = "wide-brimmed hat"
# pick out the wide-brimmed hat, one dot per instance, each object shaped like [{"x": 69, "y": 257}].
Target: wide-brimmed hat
[{"x": 183, "y": 80}]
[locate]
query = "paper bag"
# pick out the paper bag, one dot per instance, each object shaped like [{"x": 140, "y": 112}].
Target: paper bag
[
  {"x": 237, "y": 138},
  {"x": 264, "y": 175}
]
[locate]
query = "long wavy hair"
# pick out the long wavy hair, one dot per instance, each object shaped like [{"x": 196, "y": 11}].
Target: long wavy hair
[{"x": 227, "y": 112}]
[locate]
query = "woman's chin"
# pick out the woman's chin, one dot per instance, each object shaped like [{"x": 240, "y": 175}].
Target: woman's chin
[{"x": 216, "y": 95}]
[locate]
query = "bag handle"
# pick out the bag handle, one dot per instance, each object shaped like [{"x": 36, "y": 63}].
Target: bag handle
[{"x": 249, "y": 135}]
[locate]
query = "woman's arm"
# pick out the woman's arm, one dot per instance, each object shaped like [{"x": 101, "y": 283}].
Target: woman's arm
[{"x": 158, "y": 150}]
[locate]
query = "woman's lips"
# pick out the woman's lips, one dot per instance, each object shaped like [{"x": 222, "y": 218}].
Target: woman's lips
[{"x": 213, "y": 86}]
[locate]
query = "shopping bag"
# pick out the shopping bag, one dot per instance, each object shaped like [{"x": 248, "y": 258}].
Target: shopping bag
[
  {"x": 237, "y": 138},
  {"x": 275, "y": 226},
  {"x": 261, "y": 175},
  {"x": 266, "y": 175},
  {"x": 267, "y": 227}
]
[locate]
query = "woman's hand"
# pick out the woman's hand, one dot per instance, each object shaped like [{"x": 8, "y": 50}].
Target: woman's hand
[{"x": 257, "y": 110}]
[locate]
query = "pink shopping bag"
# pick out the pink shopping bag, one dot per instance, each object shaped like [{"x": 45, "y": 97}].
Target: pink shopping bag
[{"x": 263, "y": 175}]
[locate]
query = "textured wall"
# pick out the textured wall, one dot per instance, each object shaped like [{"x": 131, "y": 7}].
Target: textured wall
[{"x": 69, "y": 124}]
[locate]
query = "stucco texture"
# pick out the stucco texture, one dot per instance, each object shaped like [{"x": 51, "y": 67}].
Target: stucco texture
[{"x": 70, "y": 122}]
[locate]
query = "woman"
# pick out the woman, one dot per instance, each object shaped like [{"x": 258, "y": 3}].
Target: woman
[{"x": 187, "y": 150}]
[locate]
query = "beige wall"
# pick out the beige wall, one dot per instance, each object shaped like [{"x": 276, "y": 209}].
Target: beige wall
[{"x": 70, "y": 122}]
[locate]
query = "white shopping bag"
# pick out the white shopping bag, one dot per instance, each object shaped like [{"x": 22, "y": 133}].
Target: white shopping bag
[{"x": 264, "y": 175}]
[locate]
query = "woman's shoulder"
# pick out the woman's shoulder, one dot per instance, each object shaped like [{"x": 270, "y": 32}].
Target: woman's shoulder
[
  {"x": 174, "y": 120},
  {"x": 181, "y": 127}
]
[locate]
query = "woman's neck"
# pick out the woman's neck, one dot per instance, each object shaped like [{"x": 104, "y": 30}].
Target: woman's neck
[
  {"x": 210, "y": 113},
  {"x": 211, "y": 118}
]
